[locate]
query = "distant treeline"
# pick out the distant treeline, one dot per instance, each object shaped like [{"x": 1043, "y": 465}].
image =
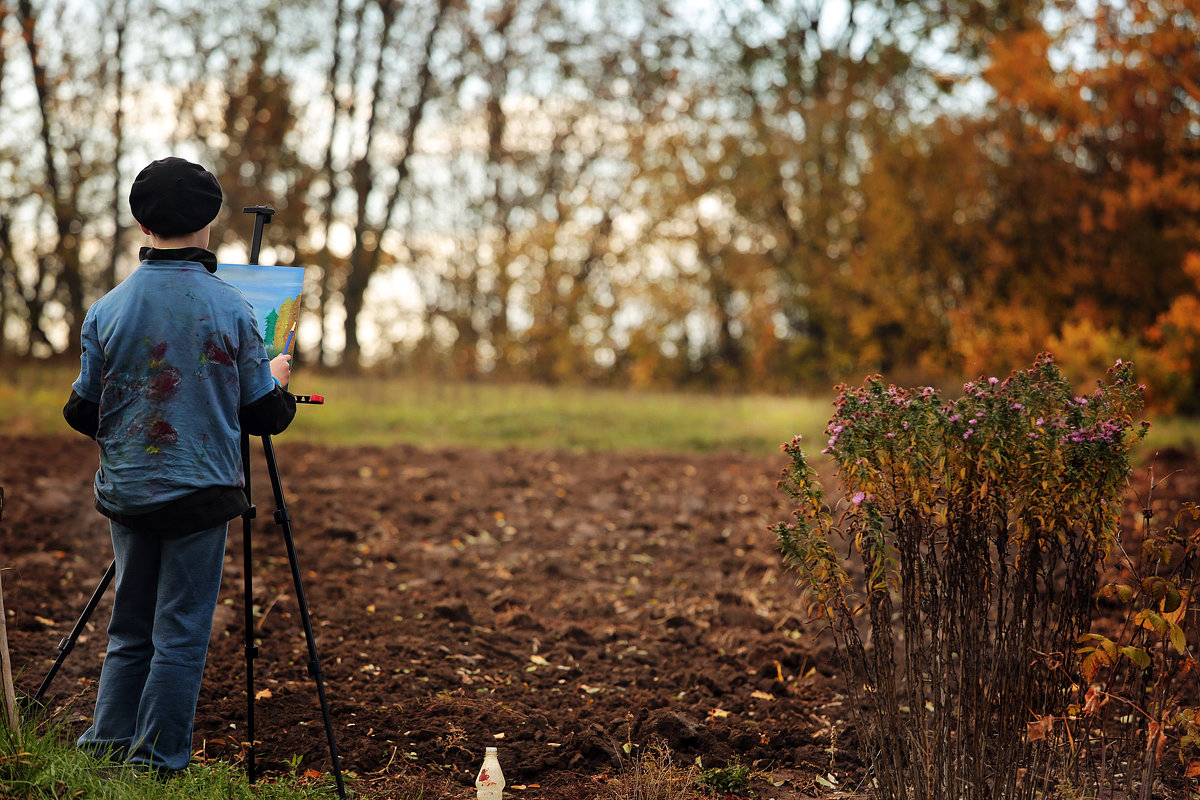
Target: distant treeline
[{"x": 763, "y": 196}]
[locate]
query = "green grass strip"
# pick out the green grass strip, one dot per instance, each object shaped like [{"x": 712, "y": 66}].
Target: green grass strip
[
  {"x": 368, "y": 410},
  {"x": 373, "y": 410},
  {"x": 39, "y": 762}
]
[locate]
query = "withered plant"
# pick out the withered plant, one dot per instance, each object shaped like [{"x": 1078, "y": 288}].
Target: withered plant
[
  {"x": 650, "y": 773},
  {"x": 977, "y": 528},
  {"x": 1137, "y": 732}
]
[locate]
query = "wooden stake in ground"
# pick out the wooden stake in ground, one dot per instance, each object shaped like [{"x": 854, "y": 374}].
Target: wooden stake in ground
[{"x": 10, "y": 696}]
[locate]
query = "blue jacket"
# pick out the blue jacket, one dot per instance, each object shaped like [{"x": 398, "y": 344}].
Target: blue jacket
[{"x": 172, "y": 360}]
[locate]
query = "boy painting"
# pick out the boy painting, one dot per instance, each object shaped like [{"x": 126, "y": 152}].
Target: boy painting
[{"x": 173, "y": 371}]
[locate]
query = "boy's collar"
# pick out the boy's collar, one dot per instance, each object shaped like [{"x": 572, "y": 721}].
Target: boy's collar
[{"x": 198, "y": 254}]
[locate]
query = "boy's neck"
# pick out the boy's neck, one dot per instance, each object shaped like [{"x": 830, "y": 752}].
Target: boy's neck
[{"x": 198, "y": 238}]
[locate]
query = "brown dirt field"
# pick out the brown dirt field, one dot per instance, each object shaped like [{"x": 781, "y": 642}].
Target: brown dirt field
[{"x": 560, "y": 606}]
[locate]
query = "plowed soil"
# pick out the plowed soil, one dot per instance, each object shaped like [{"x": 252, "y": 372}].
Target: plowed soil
[{"x": 570, "y": 609}]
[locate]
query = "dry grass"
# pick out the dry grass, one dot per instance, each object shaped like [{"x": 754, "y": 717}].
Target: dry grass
[{"x": 651, "y": 774}]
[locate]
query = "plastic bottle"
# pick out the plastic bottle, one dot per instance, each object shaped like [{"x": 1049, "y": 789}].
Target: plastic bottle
[{"x": 489, "y": 785}]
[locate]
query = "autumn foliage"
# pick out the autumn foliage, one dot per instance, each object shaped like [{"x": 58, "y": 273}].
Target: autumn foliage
[{"x": 777, "y": 197}]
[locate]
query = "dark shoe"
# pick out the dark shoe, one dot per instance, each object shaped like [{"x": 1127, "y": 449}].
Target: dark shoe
[
  {"x": 162, "y": 774},
  {"x": 156, "y": 773}
]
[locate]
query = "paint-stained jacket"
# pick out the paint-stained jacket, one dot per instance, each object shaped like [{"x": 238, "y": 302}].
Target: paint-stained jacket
[{"x": 173, "y": 368}]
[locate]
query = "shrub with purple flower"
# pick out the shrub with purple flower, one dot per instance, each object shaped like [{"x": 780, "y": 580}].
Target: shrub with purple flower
[{"x": 978, "y": 524}]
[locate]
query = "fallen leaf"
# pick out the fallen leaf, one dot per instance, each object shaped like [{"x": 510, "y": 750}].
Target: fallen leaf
[
  {"x": 1156, "y": 740},
  {"x": 262, "y": 694},
  {"x": 761, "y": 695},
  {"x": 1039, "y": 729},
  {"x": 1094, "y": 701}
]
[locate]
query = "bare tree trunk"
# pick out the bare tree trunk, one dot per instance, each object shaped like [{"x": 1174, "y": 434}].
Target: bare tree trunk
[
  {"x": 500, "y": 161},
  {"x": 114, "y": 253},
  {"x": 325, "y": 258},
  {"x": 357, "y": 272},
  {"x": 35, "y": 303},
  {"x": 9, "y": 289},
  {"x": 365, "y": 259},
  {"x": 66, "y": 244},
  {"x": 35, "y": 295},
  {"x": 8, "y": 267}
]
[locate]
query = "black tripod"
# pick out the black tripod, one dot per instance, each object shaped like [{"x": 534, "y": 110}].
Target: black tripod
[
  {"x": 262, "y": 216},
  {"x": 282, "y": 518}
]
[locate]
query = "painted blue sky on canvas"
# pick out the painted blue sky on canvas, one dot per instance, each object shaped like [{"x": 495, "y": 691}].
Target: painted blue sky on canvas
[{"x": 265, "y": 287}]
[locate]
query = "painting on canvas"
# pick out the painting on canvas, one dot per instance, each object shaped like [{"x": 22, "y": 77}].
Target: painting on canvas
[{"x": 274, "y": 292}]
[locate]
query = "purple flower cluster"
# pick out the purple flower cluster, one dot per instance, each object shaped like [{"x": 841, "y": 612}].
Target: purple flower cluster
[
  {"x": 796, "y": 445},
  {"x": 994, "y": 418},
  {"x": 1108, "y": 431},
  {"x": 836, "y": 431}
]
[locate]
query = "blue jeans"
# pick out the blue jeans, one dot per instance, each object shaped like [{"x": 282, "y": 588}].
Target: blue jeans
[{"x": 157, "y": 643}]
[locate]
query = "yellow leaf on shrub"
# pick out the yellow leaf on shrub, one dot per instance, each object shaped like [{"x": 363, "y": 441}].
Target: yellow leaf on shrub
[
  {"x": 1178, "y": 639},
  {"x": 1091, "y": 664},
  {"x": 1176, "y": 614},
  {"x": 1137, "y": 656},
  {"x": 1151, "y": 621}
]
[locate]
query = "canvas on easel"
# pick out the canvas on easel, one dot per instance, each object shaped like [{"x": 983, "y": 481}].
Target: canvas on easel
[{"x": 274, "y": 293}]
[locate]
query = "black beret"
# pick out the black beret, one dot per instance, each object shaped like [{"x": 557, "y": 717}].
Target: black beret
[{"x": 172, "y": 197}]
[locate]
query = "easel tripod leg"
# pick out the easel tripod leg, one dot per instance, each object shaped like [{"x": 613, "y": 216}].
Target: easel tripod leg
[
  {"x": 68, "y": 644},
  {"x": 248, "y": 601},
  {"x": 314, "y": 663}
]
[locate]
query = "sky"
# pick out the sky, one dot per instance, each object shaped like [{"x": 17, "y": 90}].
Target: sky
[{"x": 265, "y": 287}]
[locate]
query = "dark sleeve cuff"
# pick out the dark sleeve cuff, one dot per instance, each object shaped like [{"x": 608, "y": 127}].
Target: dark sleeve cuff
[
  {"x": 269, "y": 414},
  {"x": 82, "y": 415}
]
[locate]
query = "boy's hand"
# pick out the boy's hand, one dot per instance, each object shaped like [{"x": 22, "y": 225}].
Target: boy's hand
[{"x": 281, "y": 369}]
